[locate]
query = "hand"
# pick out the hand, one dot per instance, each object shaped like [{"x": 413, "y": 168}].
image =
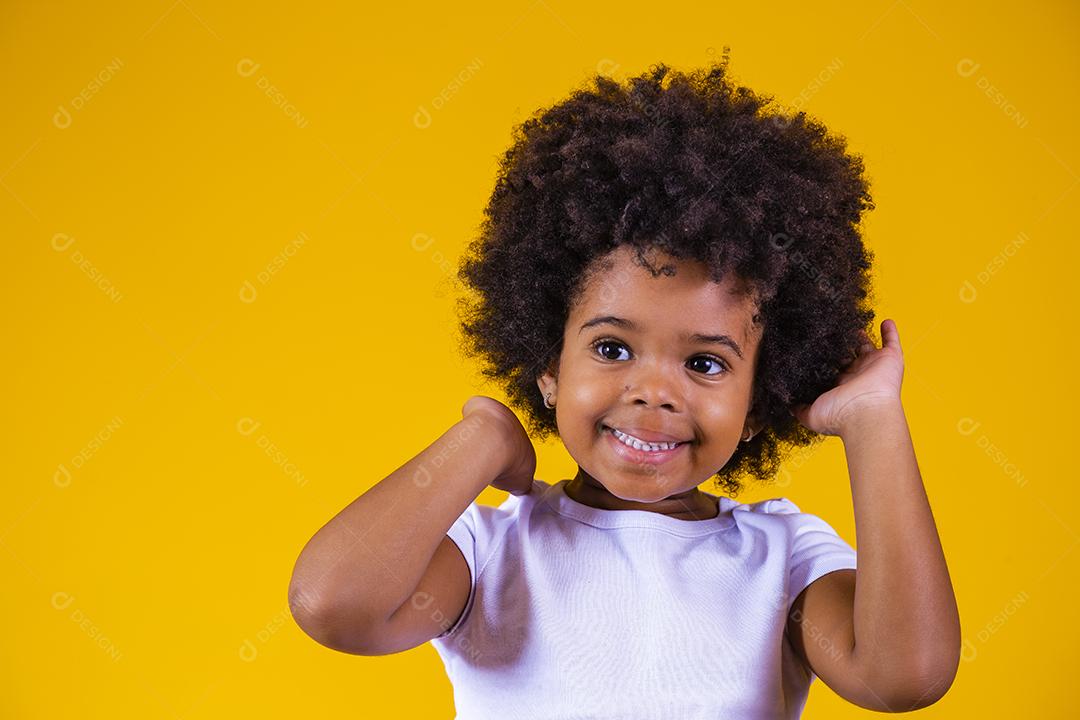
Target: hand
[
  {"x": 517, "y": 474},
  {"x": 871, "y": 380}
]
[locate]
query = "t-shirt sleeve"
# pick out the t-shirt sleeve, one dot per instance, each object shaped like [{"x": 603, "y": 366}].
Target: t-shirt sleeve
[
  {"x": 816, "y": 548},
  {"x": 476, "y": 532}
]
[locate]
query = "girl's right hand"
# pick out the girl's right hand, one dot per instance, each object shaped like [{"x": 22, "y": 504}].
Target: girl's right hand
[{"x": 517, "y": 473}]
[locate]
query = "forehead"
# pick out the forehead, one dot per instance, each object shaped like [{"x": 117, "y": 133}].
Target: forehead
[{"x": 663, "y": 293}]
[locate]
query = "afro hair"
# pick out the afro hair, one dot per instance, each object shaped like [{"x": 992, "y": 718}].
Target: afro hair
[{"x": 702, "y": 169}]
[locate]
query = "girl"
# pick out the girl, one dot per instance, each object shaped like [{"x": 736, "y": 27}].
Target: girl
[{"x": 670, "y": 278}]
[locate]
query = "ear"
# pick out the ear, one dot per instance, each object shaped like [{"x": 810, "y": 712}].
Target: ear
[
  {"x": 548, "y": 381},
  {"x": 753, "y": 422}
]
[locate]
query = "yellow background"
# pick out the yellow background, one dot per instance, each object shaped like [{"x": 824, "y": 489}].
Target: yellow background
[{"x": 218, "y": 328}]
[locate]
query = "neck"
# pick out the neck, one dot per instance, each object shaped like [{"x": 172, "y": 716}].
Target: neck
[{"x": 690, "y": 505}]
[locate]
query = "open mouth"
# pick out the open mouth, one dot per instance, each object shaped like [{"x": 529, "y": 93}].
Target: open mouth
[
  {"x": 634, "y": 452},
  {"x": 639, "y": 445}
]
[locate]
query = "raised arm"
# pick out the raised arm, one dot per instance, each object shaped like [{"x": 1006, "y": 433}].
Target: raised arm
[
  {"x": 351, "y": 583},
  {"x": 887, "y": 635}
]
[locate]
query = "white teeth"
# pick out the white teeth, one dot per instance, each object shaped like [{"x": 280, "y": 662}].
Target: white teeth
[{"x": 641, "y": 444}]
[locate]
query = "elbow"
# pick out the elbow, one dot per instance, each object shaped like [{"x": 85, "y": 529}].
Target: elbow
[
  {"x": 896, "y": 687},
  {"x": 309, "y": 601},
  {"x": 934, "y": 676},
  {"x": 315, "y": 614},
  {"x": 308, "y": 610},
  {"x": 935, "y": 684},
  {"x": 920, "y": 689},
  {"x": 910, "y": 700}
]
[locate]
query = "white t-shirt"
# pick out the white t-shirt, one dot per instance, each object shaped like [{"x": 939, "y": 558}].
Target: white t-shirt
[{"x": 578, "y": 612}]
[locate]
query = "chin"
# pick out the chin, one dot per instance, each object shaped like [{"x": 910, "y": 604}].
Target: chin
[{"x": 644, "y": 490}]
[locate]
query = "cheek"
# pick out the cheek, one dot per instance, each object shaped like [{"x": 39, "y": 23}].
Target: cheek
[
  {"x": 583, "y": 404},
  {"x": 585, "y": 395},
  {"x": 721, "y": 416}
]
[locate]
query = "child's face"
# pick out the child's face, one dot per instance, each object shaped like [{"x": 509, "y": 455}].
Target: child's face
[{"x": 653, "y": 377}]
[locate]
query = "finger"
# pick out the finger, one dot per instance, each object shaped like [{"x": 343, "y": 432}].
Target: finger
[{"x": 890, "y": 335}]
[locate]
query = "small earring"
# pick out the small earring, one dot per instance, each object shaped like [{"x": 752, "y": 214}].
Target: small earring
[
  {"x": 547, "y": 402},
  {"x": 749, "y": 435}
]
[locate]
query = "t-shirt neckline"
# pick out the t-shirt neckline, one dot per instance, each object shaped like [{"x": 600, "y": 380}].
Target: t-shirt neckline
[{"x": 558, "y": 500}]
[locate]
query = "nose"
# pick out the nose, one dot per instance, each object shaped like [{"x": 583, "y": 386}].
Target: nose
[{"x": 654, "y": 386}]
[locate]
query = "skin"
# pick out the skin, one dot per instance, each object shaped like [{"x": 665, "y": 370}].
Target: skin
[{"x": 653, "y": 378}]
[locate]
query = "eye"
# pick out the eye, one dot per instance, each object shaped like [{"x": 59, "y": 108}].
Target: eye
[
  {"x": 719, "y": 365},
  {"x": 610, "y": 343}
]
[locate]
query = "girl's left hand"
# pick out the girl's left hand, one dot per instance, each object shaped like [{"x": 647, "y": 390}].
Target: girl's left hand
[{"x": 871, "y": 380}]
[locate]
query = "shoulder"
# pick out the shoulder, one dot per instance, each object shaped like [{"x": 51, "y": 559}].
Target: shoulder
[
  {"x": 511, "y": 503},
  {"x": 813, "y": 546},
  {"x": 771, "y": 506},
  {"x": 483, "y": 523},
  {"x": 780, "y": 512}
]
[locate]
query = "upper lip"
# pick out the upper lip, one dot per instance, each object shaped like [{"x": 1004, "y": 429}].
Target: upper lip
[{"x": 646, "y": 434}]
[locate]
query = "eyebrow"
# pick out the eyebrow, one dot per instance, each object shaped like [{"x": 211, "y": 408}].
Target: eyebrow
[{"x": 692, "y": 337}]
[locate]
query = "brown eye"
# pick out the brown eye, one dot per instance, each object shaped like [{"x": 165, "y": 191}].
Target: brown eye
[
  {"x": 599, "y": 346},
  {"x": 721, "y": 366}
]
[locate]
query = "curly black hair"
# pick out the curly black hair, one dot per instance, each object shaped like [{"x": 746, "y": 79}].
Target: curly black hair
[{"x": 700, "y": 168}]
